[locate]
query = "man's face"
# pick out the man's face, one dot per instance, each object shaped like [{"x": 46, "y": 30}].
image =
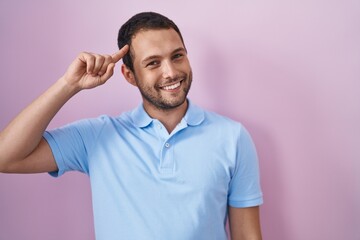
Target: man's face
[{"x": 161, "y": 68}]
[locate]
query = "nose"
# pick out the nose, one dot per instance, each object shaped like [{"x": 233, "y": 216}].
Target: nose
[{"x": 169, "y": 70}]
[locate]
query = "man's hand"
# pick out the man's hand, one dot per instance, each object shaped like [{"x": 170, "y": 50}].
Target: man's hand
[{"x": 90, "y": 70}]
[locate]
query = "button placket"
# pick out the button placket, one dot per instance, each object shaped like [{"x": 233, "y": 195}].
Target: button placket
[
  {"x": 167, "y": 161},
  {"x": 167, "y": 157}
]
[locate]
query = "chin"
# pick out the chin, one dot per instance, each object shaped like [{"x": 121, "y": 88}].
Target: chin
[{"x": 169, "y": 105}]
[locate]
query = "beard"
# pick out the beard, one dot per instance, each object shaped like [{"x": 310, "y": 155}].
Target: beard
[{"x": 156, "y": 97}]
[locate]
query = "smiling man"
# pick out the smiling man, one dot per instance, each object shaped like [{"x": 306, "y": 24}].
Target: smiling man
[
  {"x": 167, "y": 170},
  {"x": 161, "y": 71}
]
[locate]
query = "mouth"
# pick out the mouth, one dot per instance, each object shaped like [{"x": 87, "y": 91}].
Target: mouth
[{"x": 172, "y": 87}]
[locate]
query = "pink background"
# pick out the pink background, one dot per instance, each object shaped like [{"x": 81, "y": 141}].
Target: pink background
[{"x": 289, "y": 70}]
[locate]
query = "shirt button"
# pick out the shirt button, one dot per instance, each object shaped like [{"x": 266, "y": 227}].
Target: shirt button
[{"x": 167, "y": 145}]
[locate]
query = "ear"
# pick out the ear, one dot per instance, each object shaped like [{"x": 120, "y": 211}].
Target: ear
[{"x": 128, "y": 75}]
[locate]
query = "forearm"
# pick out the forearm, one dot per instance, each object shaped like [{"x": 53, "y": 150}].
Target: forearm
[{"x": 24, "y": 133}]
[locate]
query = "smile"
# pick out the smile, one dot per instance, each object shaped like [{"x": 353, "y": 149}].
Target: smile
[{"x": 172, "y": 87}]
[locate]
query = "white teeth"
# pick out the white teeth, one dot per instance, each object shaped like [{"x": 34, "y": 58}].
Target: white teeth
[{"x": 171, "y": 87}]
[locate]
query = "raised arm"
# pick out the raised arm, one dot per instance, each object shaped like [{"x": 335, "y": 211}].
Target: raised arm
[{"x": 22, "y": 148}]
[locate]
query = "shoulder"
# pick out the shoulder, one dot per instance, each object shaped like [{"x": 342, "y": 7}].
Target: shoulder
[
  {"x": 221, "y": 121},
  {"x": 214, "y": 120},
  {"x": 224, "y": 126},
  {"x": 99, "y": 122}
]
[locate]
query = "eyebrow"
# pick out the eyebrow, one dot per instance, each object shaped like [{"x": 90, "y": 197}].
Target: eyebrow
[{"x": 152, "y": 57}]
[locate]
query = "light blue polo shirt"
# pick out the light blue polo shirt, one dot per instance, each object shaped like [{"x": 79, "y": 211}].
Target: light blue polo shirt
[{"x": 148, "y": 184}]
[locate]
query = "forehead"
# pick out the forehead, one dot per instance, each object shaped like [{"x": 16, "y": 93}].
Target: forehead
[{"x": 155, "y": 42}]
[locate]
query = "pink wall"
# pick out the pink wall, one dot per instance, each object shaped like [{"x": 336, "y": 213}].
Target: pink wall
[{"x": 289, "y": 70}]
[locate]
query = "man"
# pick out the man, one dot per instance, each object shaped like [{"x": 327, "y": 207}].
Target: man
[{"x": 165, "y": 170}]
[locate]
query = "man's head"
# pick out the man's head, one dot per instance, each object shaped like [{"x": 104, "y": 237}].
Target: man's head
[
  {"x": 157, "y": 61},
  {"x": 139, "y": 22}
]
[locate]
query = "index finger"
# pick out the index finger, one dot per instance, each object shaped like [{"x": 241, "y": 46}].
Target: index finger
[{"x": 120, "y": 54}]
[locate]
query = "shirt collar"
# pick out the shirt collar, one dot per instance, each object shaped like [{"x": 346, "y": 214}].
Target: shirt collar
[
  {"x": 140, "y": 117},
  {"x": 194, "y": 116}
]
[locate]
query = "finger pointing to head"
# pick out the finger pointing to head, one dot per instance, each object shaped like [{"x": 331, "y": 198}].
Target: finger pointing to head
[{"x": 120, "y": 54}]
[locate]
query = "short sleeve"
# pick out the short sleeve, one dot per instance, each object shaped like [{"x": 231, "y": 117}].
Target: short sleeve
[
  {"x": 244, "y": 188},
  {"x": 71, "y": 143}
]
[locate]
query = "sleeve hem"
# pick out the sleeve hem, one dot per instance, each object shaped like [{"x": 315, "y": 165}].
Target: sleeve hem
[
  {"x": 57, "y": 155},
  {"x": 246, "y": 203}
]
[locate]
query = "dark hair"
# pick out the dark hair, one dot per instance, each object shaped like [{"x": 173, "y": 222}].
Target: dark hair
[{"x": 142, "y": 21}]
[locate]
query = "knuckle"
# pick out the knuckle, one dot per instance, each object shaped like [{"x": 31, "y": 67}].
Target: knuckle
[
  {"x": 91, "y": 57},
  {"x": 83, "y": 53},
  {"x": 101, "y": 57},
  {"x": 107, "y": 58}
]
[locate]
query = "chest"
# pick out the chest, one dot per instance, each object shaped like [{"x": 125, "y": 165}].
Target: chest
[{"x": 187, "y": 162}]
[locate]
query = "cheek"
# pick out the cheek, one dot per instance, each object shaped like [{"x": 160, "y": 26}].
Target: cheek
[
  {"x": 186, "y": 66},
  {"x": 147, "y": 78}
]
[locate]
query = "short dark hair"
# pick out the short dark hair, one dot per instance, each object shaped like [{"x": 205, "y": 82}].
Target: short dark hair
[{"x": 142, "y": 21}]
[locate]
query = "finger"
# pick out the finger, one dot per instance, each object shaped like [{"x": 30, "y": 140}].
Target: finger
[
  {"x": 107, "y": 60},
  {"x": 99, "y": 61},
  {"x": 120, "y": 54},
  {"x": 109, "y": 72},
  {"x": 89, "y": 61}
]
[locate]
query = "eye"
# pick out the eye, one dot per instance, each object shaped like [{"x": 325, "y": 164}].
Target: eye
[
  {"x": 178, "y": 55},
  {"x": 152, "y": 64}
]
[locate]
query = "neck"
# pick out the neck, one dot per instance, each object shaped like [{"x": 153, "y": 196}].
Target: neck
[{"x": 168, "y": 117}]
